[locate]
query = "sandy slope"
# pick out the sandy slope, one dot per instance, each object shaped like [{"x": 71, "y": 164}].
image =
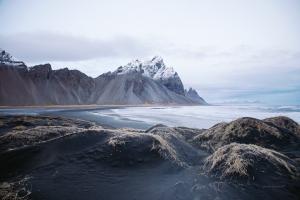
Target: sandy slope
[{"x": 59, "y": 158}]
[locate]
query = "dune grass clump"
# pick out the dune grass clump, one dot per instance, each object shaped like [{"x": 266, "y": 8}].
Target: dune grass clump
[
  {"x": 21, "y": 138},
  {"x": 249, "y": 162},
  {"x": 16, "y": 190},
  {"x": 138, "y": 145},
  {"x": 285, "y": 124},
  {"x": 166, "y": 145},
  {"x": 181, "y": 132},
  {"x": 249, "y": 131}
]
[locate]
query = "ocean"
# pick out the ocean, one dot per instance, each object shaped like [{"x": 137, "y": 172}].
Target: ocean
[{"x": 145, "y": 117}]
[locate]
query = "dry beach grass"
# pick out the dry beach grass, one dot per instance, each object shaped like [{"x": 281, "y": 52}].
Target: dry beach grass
[{"x": 246, "y": 153}]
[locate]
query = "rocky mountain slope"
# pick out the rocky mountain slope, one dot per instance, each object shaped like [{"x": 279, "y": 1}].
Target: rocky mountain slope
[
  {"x": 192, "y": 94},
  {"x": 149, "y": 82}
]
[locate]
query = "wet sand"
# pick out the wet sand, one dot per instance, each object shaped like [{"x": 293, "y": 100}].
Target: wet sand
[{"x": 83, "y": 112}]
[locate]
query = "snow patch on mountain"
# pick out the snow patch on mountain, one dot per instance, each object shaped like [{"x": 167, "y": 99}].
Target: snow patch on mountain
[
  {"x": 154, "y": 68},
  {"x": 165, "y": 73},
  {"x": 8, "y": 60}
]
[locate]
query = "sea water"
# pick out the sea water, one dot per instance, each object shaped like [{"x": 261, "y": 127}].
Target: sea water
[
  {"x": 144, "y": 117},
  {"x": 197, "y": 116}
]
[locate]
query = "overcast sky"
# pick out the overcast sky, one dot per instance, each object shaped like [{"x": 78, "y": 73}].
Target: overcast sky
[{"x": 229, "y": 50}]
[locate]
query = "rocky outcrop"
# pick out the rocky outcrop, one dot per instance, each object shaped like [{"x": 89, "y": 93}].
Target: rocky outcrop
[{"x": 193, "y": 95}]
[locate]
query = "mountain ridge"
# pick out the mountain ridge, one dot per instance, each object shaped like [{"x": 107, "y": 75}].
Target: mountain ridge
[{"x": 149, "y": 82}]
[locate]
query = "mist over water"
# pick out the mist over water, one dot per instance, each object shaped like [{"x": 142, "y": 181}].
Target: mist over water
[
  {"x": 197, "y": 116},
  {"x": 145, "y": 117}
]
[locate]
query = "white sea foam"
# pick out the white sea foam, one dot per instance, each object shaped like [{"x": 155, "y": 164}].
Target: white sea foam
[{"x": 199, "y": 116}]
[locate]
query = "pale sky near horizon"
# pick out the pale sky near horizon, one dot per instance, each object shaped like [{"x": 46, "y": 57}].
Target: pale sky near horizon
[{"x": 233, "y": 50}]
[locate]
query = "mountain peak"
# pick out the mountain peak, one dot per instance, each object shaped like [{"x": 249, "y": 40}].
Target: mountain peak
[
  {"x": 157, "y": 59},
  {"x": 150, "y": 68},
  {"x": 191, "y": 90},
  {"x": 156, "y": 70},
  {"x": 193, "y": 94},
  {"x": 5, "y": 56},
  {"x": 7, "y": 59}
]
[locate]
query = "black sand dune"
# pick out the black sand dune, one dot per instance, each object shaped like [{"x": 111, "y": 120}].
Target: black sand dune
[
  {"x": 276, "y": 133},
  {"x": 59, "y": 158}
]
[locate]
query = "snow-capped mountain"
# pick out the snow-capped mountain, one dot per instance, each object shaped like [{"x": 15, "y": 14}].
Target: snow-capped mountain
[
  {"x": 149, "y": 82},
  {"x": 7, "y": 59},
  {"x": 152, "y": 68},
  {"x": 156, "y": 70}
]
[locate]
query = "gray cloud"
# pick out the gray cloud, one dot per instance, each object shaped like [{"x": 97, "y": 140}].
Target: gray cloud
[{"x": 45, "y": 46}]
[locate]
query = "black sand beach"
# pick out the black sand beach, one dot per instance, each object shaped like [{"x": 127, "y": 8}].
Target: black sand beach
[
  {"x": 47, "y": 157},
  {"x": 82, "y": 112}
]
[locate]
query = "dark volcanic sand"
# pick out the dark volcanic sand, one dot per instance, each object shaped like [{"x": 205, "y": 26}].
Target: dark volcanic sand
[
  {"x": 59, "y": 158},
  {"x": 79, "y": 112}
]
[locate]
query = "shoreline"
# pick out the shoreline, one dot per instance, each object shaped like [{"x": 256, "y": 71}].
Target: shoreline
[
  {"x": 144, "y": 116},
  {"x": 95, "y": 106}
]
